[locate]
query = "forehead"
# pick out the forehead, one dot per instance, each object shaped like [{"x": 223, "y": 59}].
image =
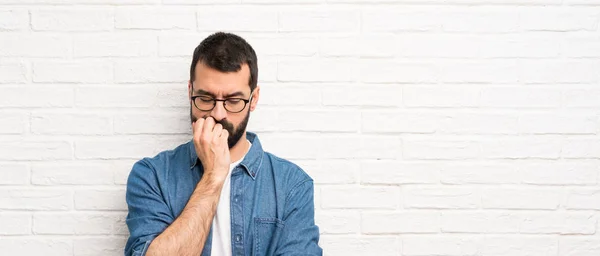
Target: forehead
[{"x": 220, "y": 83}]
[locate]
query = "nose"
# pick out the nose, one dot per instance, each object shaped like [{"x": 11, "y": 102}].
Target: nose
[{"x": 218, "y": 112}]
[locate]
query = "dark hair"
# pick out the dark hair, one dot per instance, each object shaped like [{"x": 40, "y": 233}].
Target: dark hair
[{"x": 226, "y": 52}]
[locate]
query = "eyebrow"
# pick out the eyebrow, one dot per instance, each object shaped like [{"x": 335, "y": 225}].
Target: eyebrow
[{"x": 203, "y": 92}]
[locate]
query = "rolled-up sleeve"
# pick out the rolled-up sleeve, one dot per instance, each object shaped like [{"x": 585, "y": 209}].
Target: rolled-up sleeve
[
  {"x": 300, "y": 234},
  {"x": 149, "y": 215}
]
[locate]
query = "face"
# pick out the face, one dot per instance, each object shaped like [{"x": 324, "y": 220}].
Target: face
[{"x": 220, "y": 85}]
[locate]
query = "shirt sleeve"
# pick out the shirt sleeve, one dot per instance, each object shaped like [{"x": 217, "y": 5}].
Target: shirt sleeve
[
  {"x": 148, "y": 213},
  {"x": 300, "y": 235}
]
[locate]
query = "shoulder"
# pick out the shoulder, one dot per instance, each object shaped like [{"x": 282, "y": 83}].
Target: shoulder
[
  {"x": 159, "y": 165},
  {"x": 287, "y": 172}
]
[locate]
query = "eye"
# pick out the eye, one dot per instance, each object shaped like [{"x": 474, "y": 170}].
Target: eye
[
  {"x": 233, "y": 101},
  {"x": 205, "y": 99}
]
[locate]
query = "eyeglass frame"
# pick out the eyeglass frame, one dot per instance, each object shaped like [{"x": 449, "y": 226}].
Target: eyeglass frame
[{"x": 193, "y": 98}]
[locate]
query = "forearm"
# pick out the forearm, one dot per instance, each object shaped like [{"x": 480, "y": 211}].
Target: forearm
[{"x": 188, "y": 233}]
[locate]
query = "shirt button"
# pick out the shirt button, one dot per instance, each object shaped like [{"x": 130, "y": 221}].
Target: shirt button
[
  {"x": 238, "y": 238},
  {"x": 235, "y": 199}
]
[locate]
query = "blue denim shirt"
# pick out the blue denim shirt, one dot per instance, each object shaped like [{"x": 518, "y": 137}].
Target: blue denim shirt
[{"x": 272, "y": 205}]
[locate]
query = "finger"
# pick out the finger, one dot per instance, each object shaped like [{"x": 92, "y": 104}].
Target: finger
[
  {"x": 197, "y": 127},
  {"x": 217, "y": 130},
  {"x": 207, "y": 128}
]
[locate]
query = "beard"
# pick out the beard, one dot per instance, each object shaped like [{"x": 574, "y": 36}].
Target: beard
[{"x": 235, "y": 134}]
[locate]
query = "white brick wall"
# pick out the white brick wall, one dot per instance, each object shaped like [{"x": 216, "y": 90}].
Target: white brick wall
[{"x": 434, "y": 127}]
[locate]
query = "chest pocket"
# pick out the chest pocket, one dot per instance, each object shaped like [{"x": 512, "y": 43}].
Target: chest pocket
[{"x": 266, "y": 235}]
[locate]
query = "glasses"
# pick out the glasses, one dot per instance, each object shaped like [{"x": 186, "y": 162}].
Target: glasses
[{"x": 207, "y": 103}]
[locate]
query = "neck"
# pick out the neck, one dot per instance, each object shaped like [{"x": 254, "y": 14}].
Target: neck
[{"x": 237, "y": 151}]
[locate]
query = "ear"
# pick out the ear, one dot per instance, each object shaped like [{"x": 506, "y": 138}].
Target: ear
[{"x": 255, "y": 97}]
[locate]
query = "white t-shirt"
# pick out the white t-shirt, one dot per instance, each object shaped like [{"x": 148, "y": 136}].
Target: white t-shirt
[{"x": 221, "y": 239}]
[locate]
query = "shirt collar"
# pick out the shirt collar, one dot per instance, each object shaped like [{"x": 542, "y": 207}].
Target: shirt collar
[{"x": 251, "y": 163}]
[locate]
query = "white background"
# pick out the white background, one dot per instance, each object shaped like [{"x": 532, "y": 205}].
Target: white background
[{"x": 434, "y": 127}]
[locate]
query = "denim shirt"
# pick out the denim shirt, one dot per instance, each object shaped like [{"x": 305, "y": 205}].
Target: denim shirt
[{"x": 272, "y": 205}]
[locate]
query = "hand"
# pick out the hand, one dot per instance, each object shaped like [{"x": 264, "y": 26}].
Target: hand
[{"x": 210, "y": 142}]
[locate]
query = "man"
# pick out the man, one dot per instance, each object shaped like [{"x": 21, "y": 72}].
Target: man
[{"x": 220, "y": 193}]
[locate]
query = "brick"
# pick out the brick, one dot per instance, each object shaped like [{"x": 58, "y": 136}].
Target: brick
[
  {"x": 153, "y": 123},
  {"x": 552, "y": 123},
  {"x": 385, "y": 71},
  {"x": 248, "y": 19},
  {"x": 569, "y": 71},
  {"x": 400, "y": 222},
  {"x": 581, "y": 148},
  {"x": 98, "y": 246},
  {"x": 264, "y": 120},
  {"x": 36, "y": 246},
  {"x": 70, "y": 123},
  {"x": 521, "y": 148},
  {"x": 480, "y": 222},
  {"x": 290, "y": 95},
  {"x": 316, "y": 71},
  {"x": 118, "y": 147},
  {"x": 584, "y": 199},
  {"x": 37, "y": 96},
  {"x": 561, "y": 173},
  {"x": 395, "y": 122},
  {"x": 35, "y": 199},
  {"x": 34, "y": 45},
  {"x": 331, "y": 171},
  {"x": 565, "y": 19},
  {"x": 569, "y": 223},
  {"x": 290, "y": 146},
  {"x": 364, "y": 147},
  {"x": 172, "y": 18},
  {"x": 73, "y": 71},
  {"x": 439, "y": 46},
  {"x": 115, "y": 45},
  {"x": 72, "y": 173},
  {"x": 307, "y": 120},
  {"x": 444, "y": 245},
  {"x": 13, "y": 72},
  {"x": 338, "y": 222},
  {"x": 521, "y": 198},
  {"x": 520, "y": 97},
  {"x": 15, "y": 223},
  {"x": 582, "y": 2},
  {"x": 152, "y": 71},
  {"x": 440, "y": 96},
  {"x": 173, "y": 96},
  {"x": 179, "y": 44},
  {"x": 363, "y": 95},
  {"x": 396, "y": 172},
  {"x": 14, "y": 174},
  {"x": 361, "y": 245},
  {"x": 79, "y": 224},
  {"x": 581, "y": 46},
  {"x": 481, "y": 21},
  {"x": 319, "y": 20},
  {"x": 370, "y": 45},
  {"x": 580, "y": 246},
  {"x": 378, "y": 20},
  {"x": 284, "y": 46},
  {"x": 440, "y": 198},
  {"x": 582, "y": 98},
  {"x": 13, "y": 122},
  {"x": 115, "y": 96},
  {"x": 475, "y": 123},
  {"x": 72, "y": 19},
  {"x": 479, "y": 173},
  {"x": 497, "y": 246},
  {"x": 35, "y": 150},
  {"x": 269, "y": 69},
  {"x": 121, "y": 170},
  {"x": 177, "y": 2},
  {"x": 96, "y": 199},
  {"x": 440, "y": 149},
  {"x": 480, "y": 71},
  {"x": 360, "y": 197},
  {"x": 14, "y": 19}
]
